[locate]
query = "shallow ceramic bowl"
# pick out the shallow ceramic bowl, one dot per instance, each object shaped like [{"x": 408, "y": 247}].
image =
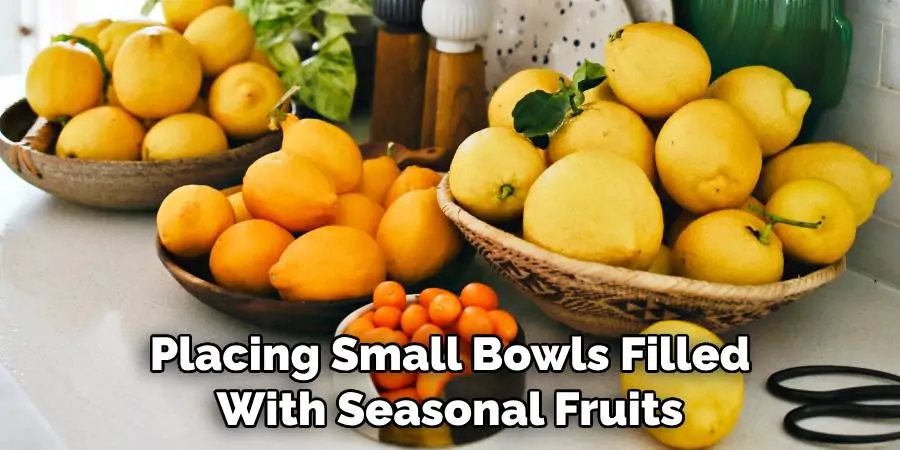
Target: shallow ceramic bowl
[
  {"x": 502, "y": 384},
  {"x": 115, "y": 185}
]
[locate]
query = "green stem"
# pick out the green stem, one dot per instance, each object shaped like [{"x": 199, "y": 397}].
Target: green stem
[
  {"x": 775, "y": 219},
  {"x": 506, "y": 191},
  {"x": 616, "y": 35},
  {"x": 765, "y": 234},
  {"x": 390, "y": 149},
  {"x": 277, "y": 114},
  {"x": 107, "y": 76}
]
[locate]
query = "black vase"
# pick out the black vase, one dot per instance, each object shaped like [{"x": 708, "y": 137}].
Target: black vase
[{"x": 400, "y": 14}]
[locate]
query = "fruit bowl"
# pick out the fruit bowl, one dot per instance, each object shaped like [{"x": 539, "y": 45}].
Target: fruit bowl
[
  {"x": 114, "y": 185},
  {"x": 501, "y": 384},
  {"x": 612, "y": 301}
]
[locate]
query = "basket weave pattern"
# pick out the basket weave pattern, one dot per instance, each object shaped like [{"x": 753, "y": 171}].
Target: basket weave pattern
[{"x": 610, "y": 301}]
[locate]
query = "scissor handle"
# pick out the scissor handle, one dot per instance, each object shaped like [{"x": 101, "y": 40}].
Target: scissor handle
[
  {"x": 844, "y": 410},
  {"x": 775, "y": 385}
]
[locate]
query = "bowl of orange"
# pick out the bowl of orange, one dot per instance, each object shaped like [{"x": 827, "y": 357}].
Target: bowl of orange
[{"x": 427, "y": 319}]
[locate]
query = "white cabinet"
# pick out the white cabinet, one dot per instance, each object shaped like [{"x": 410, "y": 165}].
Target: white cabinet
[{"x": 11, "y": 37}]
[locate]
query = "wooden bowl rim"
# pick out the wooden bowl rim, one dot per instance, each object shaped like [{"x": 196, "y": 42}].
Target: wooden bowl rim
[{"x": 663, "y": 284}]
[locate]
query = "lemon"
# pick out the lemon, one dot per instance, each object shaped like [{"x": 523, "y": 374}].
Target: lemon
[
  {"x": 662, "y": 264},
  {"x": 222, "y": 37},
  {"x": 862, "y": 181},
  {"x": 379, "y": 174},
  {"x": 91, "y": 30},
  {"x": 191, "y": 218},
  {"x": 814, "y": 202},
  {"x": 768, "y": 100},
  {"x": 241, "y": 97},
  {"x": 492, "y": 171},
  {"x": 595, "y": 206},
  {"x": 111, "y": 38},
  {"x": 157, "y": 73},
  {"x": 63, "y": 80},
  {"x": 731, "y": 247},
  {"x": 600, "y": 93},
  {"x": 106, "y": 133},
  {"x": 609, "y": 127},
  {"x": 184, "y": 135},
  {"x": 656, "y": 68},
  {"x": 751, "y": 205},
  {"x": 180, "y": 13},
  {"x": 707, "y": 157},
  {"x": 244, "y": 253},
  {"x": 240, "y": 209},
  {"x": 712, "y": 401},
  {"x": 516, "y": 87},
  {"x": 355, "y": 210},
  {"x": 327, "y": 145}
]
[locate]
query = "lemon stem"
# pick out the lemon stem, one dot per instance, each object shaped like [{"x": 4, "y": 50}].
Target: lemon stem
[
  {"x": 506, "y": 191},
  {"x": 616, "y": 35},
  {"x": 389, "y": 152},
  {"x": 774, "y": 219},
  {"x": 107, "y": 76},
  {"x": 276, "y": 114}
]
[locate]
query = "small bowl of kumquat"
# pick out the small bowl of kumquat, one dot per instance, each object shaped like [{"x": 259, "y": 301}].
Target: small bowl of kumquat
[{"x": 441, "y": 324}]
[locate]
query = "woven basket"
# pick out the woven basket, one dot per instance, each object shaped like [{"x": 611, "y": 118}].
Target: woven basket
[{"x": 611, "y": 301}]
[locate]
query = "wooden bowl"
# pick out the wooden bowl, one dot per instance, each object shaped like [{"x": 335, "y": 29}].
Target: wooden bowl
[
  {"x": 612, "y": 301},
  {"x": 114, "y": 185},
  {"x": 502, "y": 384}
]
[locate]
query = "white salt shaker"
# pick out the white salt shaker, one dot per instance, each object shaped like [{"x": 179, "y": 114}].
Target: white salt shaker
[{"x": 458, "y": 25}]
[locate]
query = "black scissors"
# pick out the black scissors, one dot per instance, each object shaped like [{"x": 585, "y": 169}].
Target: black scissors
[{"x": 844, "y": 403}]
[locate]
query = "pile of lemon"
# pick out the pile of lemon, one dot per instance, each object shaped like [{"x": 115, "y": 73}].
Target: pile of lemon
[
  {"x": 139, "y": 90},
  {"x": 657, "y": 135},
  {"x": 314, "y": 221}
]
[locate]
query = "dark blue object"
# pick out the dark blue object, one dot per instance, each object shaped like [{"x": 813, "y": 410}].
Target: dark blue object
[{"x": 400, "y": 14}]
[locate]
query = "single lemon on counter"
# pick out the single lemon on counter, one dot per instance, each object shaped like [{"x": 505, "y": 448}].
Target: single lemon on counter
[
  {"x": 515, "y": 88},
  {"x": 91, "y": 30},
  {"x": 662, "y": 264},
  {"x": 240, "y": 209},
  {"x": 751, "y": 205},
  {"x": 358, "y": 211},
  {"x": 768, "y": 100},
  {"x": 814, "y": 202},
  {"x": 331, "y": 148},
  {"x": 707, "y": 157},
  {"x": 191, "y": 218},
  {"x": 712, "y": 401},
  {"x": 157, "y": 73},
  {"x": 112, "y": 37},
  {"x": 64, "y": 80},
  {"x": 241, "y": 97},
  {"x": 610, "y": 127},
  {"x": 222, "y": 37},
  {"x": 656, "y": 68},
  {"x": 104, "y": 133},
  {"x": 847, "y": 168},
  {"x": 184, "y": 135},
  {"x": 731, "y": 247},
  {"x": 595, "y": 206},
  {"x": 412, "y": 178},
  {"x": 260, "y": 56},
  {"x": 418, "y": 240},
  {"x": 492, "y": 171},
  {"x": 378, "y": 176},
  {"x": 243, "y": 254},
  {"x": 602, "y": 93},
  {"x": 290, "y": 191},
  {"x": 180, "y": 13},
  {"x": 329, "y": 263}
]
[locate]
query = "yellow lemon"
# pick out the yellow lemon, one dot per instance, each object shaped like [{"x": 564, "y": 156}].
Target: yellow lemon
[
  {"x": 862, "y": 181},
  {"x": 768, "y": 100},
  {"x": 157, "y": 73},
  {"x": 104, "y": 133},
  {"x": 91, "y": 30},
  {"x": 492, "y": 171},
  {"x": 330, "y": 263},
  {"x": 64, "y": 79},
  {"x": 180, "y": 13},
  {"x": 244, "y": 253},
  {"x": 707, "y": 157},
  {"x": 184, "y": 135},
  {"x": 516, "y": 87},
  {"x": 595, "y": 206},
  {"x": 609, "y": 127},
  {"x": 602, "y": 93},
  {"x": 111, "y": 38},
  {"x": 751, "y": 205},
  {"x": 358, "y": 211},
  {"x": 662, "y": 264},
  {"x": 412, "y": 178},
  {"x": 240, "y": 209},
  {"x": 191, "y": 218},
  {"x": 655, "y": 68},
  {"x": 241, "y": 97},
  {"x": 818, "y": 202},
  {"x": 378, "y": 176},
  {"x": 712, "y": 401},
  {"x": 331, "y": 148},
  {"x": 731, "y": 247},
  {"x": 222, "y": 37}
]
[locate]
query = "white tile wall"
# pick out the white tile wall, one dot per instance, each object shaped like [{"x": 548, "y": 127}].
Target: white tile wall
[{"x": 868, "y": 118}]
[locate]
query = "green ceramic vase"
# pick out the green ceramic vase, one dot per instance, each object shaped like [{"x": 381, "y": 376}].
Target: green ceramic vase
[{"x": 807, "y": 40}]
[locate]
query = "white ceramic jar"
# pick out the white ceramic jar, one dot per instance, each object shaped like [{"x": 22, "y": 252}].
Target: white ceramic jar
[{"x": 458, "y": 25}]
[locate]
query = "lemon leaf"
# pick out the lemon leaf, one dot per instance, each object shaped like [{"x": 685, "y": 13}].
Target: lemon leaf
[
  {"x": 588, "y": 76},
  {"x": 540, "y": 113}
]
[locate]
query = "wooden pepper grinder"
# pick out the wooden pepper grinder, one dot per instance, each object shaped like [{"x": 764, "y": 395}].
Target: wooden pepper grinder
[
  {"x": 402, "y": 58},
  {"x": 455, "y": 94}
]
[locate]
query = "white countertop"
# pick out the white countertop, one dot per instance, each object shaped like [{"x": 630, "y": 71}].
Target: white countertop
[{"x": 81, "y": 291}]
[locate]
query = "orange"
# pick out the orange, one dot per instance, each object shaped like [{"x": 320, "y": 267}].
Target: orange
[
  {"x": 359, "y": 327},
  {"x": 389, "y": 293},
  {"x": 478, "y": 294},
  {"x": 505, "y": 325},
  {"x": 424, "y": 333},
  {"x": 413, "y": 318},
  {"x": 391, "y": 381},
  {"x": 431, "y": 384},
  {"x": 412, "y": 178},
  {"x": 244, "y": 253},
  {"x": 240, "y": 209},
  {"x": 474, "y": 321},
  {"x": 427, "y": 295},
  {"x": 332, "y": 149},
  {"x": 378, "y": 176},
  {"x": 358, "y": 211},
  {"x": 388, "y": 317},
  {"x": 444, "y": 310}
]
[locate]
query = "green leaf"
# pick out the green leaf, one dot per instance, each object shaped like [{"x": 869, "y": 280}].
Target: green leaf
[
  {"x": 327, "y": 80},
  {"x": 540, "y": 113},
  {"x": 148, "y": 7},
  {"x": 284, "y": 56},
  {"x": 588, "y": 76},
  {"x": 336, "y": 26},
  {"x": 347, "y": 7}
]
